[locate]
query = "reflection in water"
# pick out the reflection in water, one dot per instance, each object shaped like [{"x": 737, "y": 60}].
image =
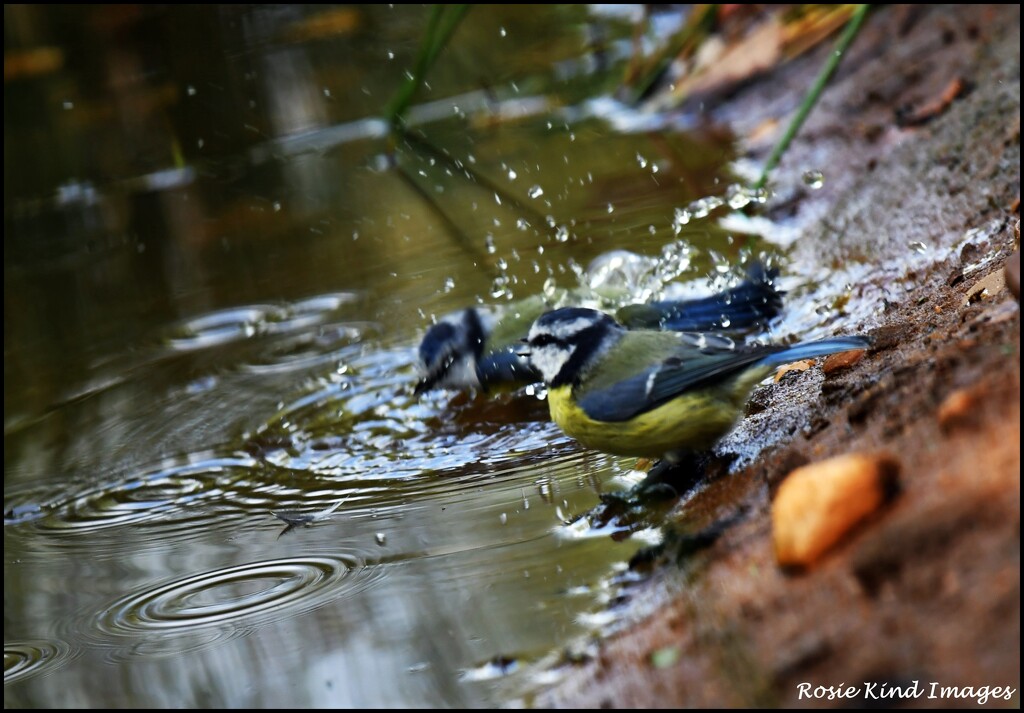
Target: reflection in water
[{"x": 213, "y": 292}]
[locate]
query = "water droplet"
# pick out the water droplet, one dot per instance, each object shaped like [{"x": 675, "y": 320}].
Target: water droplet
[
  {"x": 502, "y": 32},
  {"x": 562, "y": 234},
  {"x": 449, "y": 284},
  {"x": 497, "y": 199},
  {"x": 190, "y": 90},
  {"x": 814, "y": 179},
  {"x": 502, "y": 264},
  {"x": 682, "y": 217},
  {"x": 489, "y": 244},
  {"x": 725, "y": 321},
  {"x": 380, "y": 538},
  {"x": 277, "y": 206},
  {"x": 391, "y": 55},
  {"x": 68, "y": 105},
  {"x": 503, "y": 518},
  {"x": 641, "y": 160},
  {"x": 918, "y": 247},
  {"x": 521, "y": 224},
  {"x": 327, "y": 92},
  {"x": 611, "y": 209},
  {"x": 512, "y": 175},
  {"x": 535, "y": 192},
  {"x": 200, "y": 143}
]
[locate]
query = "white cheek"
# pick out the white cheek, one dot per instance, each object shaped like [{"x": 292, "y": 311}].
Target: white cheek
[{"x": 549, "y": 360}]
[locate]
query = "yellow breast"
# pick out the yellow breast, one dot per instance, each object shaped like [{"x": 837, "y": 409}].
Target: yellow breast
[{"x": 692, "y": 421}]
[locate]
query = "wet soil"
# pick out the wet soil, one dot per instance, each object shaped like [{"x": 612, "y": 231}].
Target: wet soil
[{"x": 928, "y": 589}]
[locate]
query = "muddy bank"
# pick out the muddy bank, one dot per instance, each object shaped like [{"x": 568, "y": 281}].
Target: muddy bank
[{"x": 916, "y": 221}]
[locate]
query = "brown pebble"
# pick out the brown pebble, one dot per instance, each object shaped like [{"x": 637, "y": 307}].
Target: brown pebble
[
  {"x": 958, "y": 409},
  {"x": 987, "y": 287},
  {"x": 1013, "y": 273},
  {"x": 842, "y": 360},
  {"x": 818, "y": 504}
]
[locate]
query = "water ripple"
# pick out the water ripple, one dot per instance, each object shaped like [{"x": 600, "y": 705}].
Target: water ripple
[
  {"x": 204, "y": 609},
  {"x": 165, "y": 492},
  {"x": 23, "y": 659},
  {"x": 237, "y": 323}
]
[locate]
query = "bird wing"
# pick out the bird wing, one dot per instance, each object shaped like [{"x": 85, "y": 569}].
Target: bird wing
[
  {"x": 644, "y": 373},
  {"x": 753, "y": 302}
]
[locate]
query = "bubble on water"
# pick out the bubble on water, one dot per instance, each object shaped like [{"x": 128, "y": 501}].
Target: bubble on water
[
  {"x": 814, "y": 179},
  {"x": 535, "y": 192}
]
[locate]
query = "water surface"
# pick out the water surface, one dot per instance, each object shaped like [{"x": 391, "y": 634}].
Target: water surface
[{"x": 217, "y": 268}]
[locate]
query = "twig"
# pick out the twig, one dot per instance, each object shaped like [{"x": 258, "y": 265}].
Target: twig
[{"x": 811, "y": 99}]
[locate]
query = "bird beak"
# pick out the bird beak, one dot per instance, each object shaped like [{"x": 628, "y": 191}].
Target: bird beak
[{"x": 522, "y": 349}]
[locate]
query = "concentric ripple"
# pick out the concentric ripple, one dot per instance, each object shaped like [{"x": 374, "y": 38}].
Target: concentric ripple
[
  {"x": 165, "y": 492},
  {"x": 246, "y": 595},
  {"x": 23, "y": 659}
]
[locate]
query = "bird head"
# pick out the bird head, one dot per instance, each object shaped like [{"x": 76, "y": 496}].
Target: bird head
[{"x": 563, "y": 344}]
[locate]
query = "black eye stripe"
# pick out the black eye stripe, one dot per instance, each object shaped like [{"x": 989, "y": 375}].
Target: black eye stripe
[{"x": 543, "y": 340}]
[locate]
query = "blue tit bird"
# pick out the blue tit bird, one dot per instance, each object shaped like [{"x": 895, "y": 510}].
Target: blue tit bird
[
  {"x": 648, "y": 393},
  {"x": 475, "y": 348}
]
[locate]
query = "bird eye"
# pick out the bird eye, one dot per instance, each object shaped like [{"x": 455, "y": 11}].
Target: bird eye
[{"x": 543, "y": 340}]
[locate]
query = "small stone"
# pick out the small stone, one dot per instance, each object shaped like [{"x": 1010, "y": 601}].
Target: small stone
[
  {"x": 842, "y": 360},
  {"x": 1013, "y": 272},
  {"x": 986, "y": 287},
  {"x": 958, "y": 409},
  {"x": 817, "y": 504}
]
